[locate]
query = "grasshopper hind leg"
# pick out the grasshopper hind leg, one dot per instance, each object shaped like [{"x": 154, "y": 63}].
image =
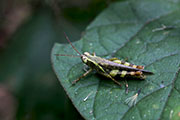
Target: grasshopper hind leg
[{"x": 109, "y": 76}]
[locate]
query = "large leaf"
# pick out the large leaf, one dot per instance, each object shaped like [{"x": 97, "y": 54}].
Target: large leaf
[{"x": 147, "y": 33}]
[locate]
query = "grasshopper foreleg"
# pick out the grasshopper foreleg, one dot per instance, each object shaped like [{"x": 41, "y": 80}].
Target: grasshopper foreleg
[
  {"x": 84, "y": 75},
  {"x": 86, "y": 68}
]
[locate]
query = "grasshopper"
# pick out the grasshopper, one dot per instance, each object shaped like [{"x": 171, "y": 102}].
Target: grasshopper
[{"x": 110, "y": 68}]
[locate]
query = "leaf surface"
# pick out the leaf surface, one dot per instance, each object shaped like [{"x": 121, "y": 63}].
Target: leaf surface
[{"x": 147, "y": 33}]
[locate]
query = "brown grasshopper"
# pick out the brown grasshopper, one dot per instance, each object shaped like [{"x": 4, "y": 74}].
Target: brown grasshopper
[{"x": 110, "y": 68}]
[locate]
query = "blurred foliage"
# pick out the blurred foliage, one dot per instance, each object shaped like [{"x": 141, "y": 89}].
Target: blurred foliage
[
  {"x": 26, "y": 69},
  {"x": 87, "y": 12},
  {"x": 28, "y": 31}
]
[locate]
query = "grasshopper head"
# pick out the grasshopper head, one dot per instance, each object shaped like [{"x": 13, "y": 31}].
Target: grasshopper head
[
  {"x": 90, "y": 60},
  {"x": 85, "y": 57}
]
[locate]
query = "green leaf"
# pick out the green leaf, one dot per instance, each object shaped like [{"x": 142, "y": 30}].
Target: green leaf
[{"x": 147, "y": 32}]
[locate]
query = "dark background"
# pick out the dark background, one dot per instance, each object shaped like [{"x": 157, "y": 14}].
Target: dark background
[{"x": 29, "y": 89}]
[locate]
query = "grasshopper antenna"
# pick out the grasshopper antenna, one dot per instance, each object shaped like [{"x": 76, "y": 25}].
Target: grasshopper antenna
[
  {"x": 71, "y": 44},
  {"x": 67, "y": 55}
]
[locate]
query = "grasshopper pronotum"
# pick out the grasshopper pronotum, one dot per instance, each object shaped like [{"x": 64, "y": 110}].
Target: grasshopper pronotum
[{"x": 109, "y": 68}]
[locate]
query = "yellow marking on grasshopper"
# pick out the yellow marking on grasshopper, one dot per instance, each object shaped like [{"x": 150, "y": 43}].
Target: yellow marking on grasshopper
[
  {"x": 113, "y": 73},
  {"x": 134, "y": 66},
  {"x": 123, "y": 73},
  {"x": 126, "y": 64},
  {"x": 117, "y": 61}
]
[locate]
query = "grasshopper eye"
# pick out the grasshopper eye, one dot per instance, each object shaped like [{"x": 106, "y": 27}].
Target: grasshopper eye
[{"x": 84, "y": 59}]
